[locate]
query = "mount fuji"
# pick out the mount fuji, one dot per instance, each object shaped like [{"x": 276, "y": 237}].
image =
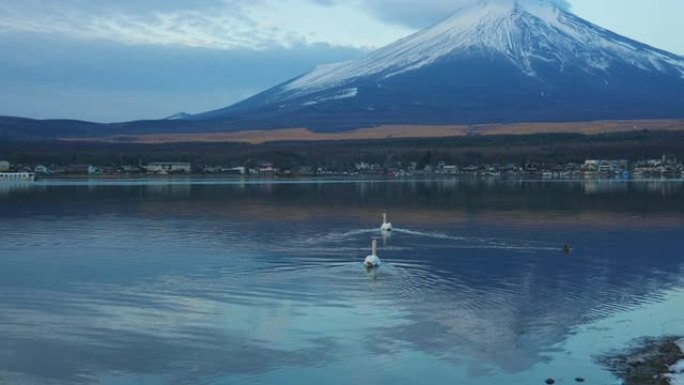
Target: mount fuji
[{"x": 498, "y": 61}]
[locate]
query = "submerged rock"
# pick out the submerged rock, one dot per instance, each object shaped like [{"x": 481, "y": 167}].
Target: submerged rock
[{"x": 652, "y": 361}]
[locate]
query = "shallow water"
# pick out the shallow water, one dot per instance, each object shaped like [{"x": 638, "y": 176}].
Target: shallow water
[{"x": 210, "y": 282}]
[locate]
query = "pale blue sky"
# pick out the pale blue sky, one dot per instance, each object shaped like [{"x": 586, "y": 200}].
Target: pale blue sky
[{"x": 114, "y": 60}]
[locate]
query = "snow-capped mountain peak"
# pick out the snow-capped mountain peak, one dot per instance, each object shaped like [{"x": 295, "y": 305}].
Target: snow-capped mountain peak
[
  {"x": 524, "y": 31},
  {"x": 496, "y": 60}
]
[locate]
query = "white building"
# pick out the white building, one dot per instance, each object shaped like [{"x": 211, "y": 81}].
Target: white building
[
  {"x": 16, "y": 177},
  {"x": 237, "y": 170},
  {"x": 4, "y": 165},
  {"x": 267, "y": 168},
  {"x": 606, "y": 166},
  {"x": 168, "y": 167},
  {"x": 450, "y": 169}
]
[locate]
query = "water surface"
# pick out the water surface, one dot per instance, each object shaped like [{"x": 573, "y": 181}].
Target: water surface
[{"x": 210, "y": 282}]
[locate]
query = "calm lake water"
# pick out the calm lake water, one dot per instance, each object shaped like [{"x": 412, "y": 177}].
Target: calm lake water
[{"x": 158, "y": 282}]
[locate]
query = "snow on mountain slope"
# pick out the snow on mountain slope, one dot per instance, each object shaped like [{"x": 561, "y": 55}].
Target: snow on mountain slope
[
  {"x": 499, "y": 60},
  {"x": 522, "y": 31},
  {"x": 179, "y": 116}
]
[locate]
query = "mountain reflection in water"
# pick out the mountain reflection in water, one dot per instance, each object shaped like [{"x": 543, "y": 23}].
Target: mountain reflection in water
[{"x": 206, "y": 282}]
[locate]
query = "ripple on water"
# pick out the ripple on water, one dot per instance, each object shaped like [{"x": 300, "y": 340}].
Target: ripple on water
[{"x": 445, "y": 299}]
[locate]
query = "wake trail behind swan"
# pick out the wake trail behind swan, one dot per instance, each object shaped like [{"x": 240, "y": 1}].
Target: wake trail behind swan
[
  {"x": 476, "y": 243},
  {"x": 431, "y": 234},
  {"x": 462, "y": 242},
  {"x": 339, "y": 236}
]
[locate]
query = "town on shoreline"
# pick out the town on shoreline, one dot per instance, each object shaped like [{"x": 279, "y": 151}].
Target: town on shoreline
[{"x": 663, "y": 167}]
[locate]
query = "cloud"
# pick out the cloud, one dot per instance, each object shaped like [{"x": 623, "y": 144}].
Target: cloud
[
  {"x": 421, "y": 14},
  {"x": 231, "y": 24},
  {"x": 217, "y": 24},
  {"x": 209, "y": 24},
  {"x": 49, "y": 77},
  {"x": 123, "y": 60},
  {"x": 406, "y": 12}
]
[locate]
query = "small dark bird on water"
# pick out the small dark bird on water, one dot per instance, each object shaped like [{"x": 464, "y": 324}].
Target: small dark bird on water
[
  {"x": 550, "y": 381},
  {"x": 567, "y": 249}
]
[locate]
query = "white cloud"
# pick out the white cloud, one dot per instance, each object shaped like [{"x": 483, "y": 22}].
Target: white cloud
[
  {"x": 218, "y": 24},
  {"x": 260, "y": 24},
  {"x": 419, "y": 14}
]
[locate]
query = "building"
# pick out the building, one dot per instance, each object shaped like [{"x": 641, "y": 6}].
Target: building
[
  {"x": 40, "y": 169},
  {"x": 130, "y": 169},
  {"x": 16, "y": 177},
  {"x": 664, "y": 167},
  {"x": 168, "y": 167},
  {"x": 606, "y": 166},
  {"x": 591, "y": 165},
  {"x": 267, "y": 169},
  {"x": 241, "y": 170},
  {"x": 449, "y": 169},
  {"x": 4, "y": 166}
]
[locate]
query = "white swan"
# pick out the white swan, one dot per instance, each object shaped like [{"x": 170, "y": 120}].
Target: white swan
[
  {"x": 372, "y": 261},
  {"x": 386, "y": 226}
]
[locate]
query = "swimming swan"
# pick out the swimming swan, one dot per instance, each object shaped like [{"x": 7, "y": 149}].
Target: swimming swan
[
  {"x": 372, "y": 261},
  {"x": 386, "y": 226}
]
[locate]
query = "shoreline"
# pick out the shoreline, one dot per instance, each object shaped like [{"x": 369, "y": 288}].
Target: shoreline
[
  {"x": 351, "y": 177},
  {"x": 650, "y": 361}
]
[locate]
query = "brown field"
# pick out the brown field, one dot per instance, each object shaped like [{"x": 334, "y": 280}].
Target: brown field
[{"x": 396, "y": 132}]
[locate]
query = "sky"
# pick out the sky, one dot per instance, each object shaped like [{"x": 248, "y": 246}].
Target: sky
[{"x": 120, "y": 60}]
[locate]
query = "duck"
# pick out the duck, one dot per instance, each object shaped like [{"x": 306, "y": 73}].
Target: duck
[
  {"x": 372, "y": 261},
  {"x": 386, "y": 226}
]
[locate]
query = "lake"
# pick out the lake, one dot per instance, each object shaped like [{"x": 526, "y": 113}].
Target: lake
[{"x": 220, "y": 282}]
